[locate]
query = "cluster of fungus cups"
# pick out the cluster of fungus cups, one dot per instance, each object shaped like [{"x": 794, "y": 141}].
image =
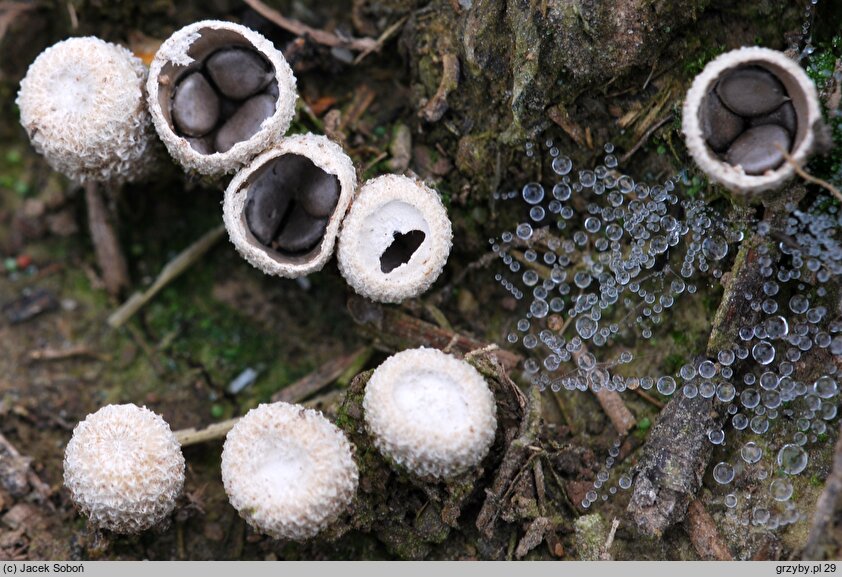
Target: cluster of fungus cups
[
  {"x": 221, "y": 98},
  {"x": 219, "y": 94},
  {"x": 430, "y": 413},
  {"x": 124, "y": 468},
  {"x": 746, "y": 113},
  {"x": 284, "y": 210},
  {"x": 82, "y": 106}
]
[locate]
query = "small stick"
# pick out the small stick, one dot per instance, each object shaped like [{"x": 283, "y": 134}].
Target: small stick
[
  {"x": 61, "y": 354},
  {"x": 387, "y": 34},
  {"x": 809, "y": 177},
  {"x": 173, "y": 269},
  {"x": 613, "y": 405},
  {"x": 193, "y": 436},
  {"x": 396, "y": 331},
  {"x": 109, "y": 256},
  {"x": 649, "y": 398},
  {"x": 703, "y": 534},
  {"x": 645, "y": 137},
  {"x": 319, "y": 379},
  {"x": 294, "y": 393},
  {"x": 19, "y": 471},
  {"x": 319, "y": 36},
  {"x": 437, "y": 105},
  {"x": 605, "y": 554}
]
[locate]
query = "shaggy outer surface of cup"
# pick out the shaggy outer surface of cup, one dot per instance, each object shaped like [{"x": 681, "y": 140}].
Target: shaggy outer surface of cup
[
  {"x": 124, "y": 468},
  {"x": 180, "y": 54},
  {"x": 82, "y": 106},
  {"x": 386, "y": 208},
  {"x": 801, "y": 91},
  {"x": 430, "y": 413},
  {"x": 325, "y": 154},
  {"x": 288, "y": 471}
]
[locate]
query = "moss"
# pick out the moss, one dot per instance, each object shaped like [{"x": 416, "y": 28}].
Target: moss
[
  {"x": 590, "y": 536},
  {"x": 821, "y": 67}
]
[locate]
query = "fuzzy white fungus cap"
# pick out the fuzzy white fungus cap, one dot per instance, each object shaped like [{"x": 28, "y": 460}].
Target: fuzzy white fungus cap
[
  {"x": 288, "y": 471},
  {"x": 385, "y": 206},
  {"x": 802, "y": 93},
  {"x": 183, "y": 52},
  {"x": 326, "y": 155},
  {"x": 124, "y": 468},
  {"x": 82, "y": 106},
  {"x": 430, "y": 413}
]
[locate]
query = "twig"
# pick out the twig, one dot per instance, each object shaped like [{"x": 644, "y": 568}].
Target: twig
[
  {"x": 320, "y": 378},
  {"x": 704, "y": 535},
  {"x": 677, "y": 451},
  {"x": 611, "y": 402},
  {"x": 387, "y": 34},
  {"x": 109, "y": 256},
  {"x": 68, "y": 353},
  {"x": 514, "y": 459},
  {"x": 18, "y": 476},
  {"x": 437, "y": 105},
  {"x": 614, "y": 406},
  {"x": 826, "y": 506},
  {"x": 649, "y": 398},
  {"x": 294, "y": 393},
  {"x": 809, "y": 177},
  {"x": 605, "y": 554},
  {"x": 364, "y": 45},
  {"x": 645, "y": 137},
  {"x": 173, "y": 269},
  {"x": 394, "y": 330},
  {"x": 9, "y": 11},
  {"x": 193, "y": 436}
]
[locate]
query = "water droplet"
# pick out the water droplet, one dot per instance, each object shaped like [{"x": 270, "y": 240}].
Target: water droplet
[
  {"x": 792, "y": 459},
  {"x": 533, "y": 193},
  {"x": 714, "y": 248},
  {"x": 562, "y": 165},
  {"x": 666, "y": 386},
  {"x": 825, "y": 387},
  {"x": 751, "y": 453},
  {"x": 723, "y": 473},
  {"x": 763, "y": 352},
  {"x": 781, "y": 489}
]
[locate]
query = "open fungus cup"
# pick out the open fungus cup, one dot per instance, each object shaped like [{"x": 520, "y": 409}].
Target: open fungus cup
[
  {"x": 395, "y": 240},
  {"x": 743, "y": 111},
  {"x": 284, "y": 210},
  {"x": 219, "y": 94}
]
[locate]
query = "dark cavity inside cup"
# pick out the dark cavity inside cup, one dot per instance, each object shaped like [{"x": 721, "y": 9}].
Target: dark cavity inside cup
[
  {"x": 401, "y": 250},
  {"x": 750, "y": 117},
  {"x": 289, "y": 203},
  {"x": 223, "y": 96}
]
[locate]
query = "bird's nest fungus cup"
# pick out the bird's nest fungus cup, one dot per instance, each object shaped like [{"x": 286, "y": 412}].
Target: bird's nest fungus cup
[
  {"x": 124, "y": 468},
  {"x": 219, "y": 94},
  {"x": 288, "y": 471},
  {"x": 283, "y": 211},
  {"x": 430, "y": 413},
  {"x": 82, "y": 106},
  {"x": 746, "y": 111},
  {"x": 395, "y": 240}
]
